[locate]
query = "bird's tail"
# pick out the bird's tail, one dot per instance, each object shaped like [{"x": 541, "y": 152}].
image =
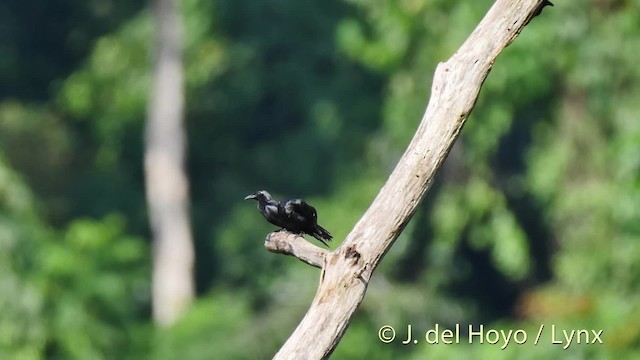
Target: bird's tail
[{"x": 323, "y": 235}]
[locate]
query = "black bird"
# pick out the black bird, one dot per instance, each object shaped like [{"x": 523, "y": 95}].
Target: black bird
[{"x": 293, "y": 215}]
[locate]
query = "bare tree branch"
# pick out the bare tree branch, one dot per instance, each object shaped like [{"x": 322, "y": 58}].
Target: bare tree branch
[
  {"x": 283, "y": 242},
  {"x": 347, "y": 270}
]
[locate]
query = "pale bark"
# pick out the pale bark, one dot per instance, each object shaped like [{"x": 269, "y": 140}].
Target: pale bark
[
  {"x": 166, "y": 180},
  {"x": 347, "y": 270},
  {"x": 283, "y": 242}
]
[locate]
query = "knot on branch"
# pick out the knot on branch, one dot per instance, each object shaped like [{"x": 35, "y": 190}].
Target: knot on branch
[
  {"x": 352, "y": 253},
  {"x": 284, "y": 242}
]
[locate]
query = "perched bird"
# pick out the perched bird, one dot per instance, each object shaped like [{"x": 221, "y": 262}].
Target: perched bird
[{"x": 293, "y": 215}]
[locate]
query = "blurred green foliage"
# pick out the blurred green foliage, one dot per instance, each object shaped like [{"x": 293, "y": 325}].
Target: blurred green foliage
[{"x": 533, "y": 218}]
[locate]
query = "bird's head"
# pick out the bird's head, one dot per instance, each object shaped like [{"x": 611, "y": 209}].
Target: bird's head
[{"x": 259, "y": 196}]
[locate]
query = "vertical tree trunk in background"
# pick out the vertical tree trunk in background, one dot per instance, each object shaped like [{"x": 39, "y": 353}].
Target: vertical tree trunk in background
[{"x": 166, "y": 181}]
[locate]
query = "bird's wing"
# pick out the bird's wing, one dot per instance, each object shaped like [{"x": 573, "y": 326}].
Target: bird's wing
[
  {"x": 291, "y": 210},
  {"x": 300, "y": 210}
]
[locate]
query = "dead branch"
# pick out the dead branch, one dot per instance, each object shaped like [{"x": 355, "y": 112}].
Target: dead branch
[
  {"x": 347, "y": 270},
  {"x": 283, "y": 242}
]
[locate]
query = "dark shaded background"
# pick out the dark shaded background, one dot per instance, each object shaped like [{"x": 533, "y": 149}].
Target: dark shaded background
[{"x": 533, "y": 219}]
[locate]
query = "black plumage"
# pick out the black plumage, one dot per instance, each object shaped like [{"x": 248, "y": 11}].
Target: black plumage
[{"x": 293, "y": 215}]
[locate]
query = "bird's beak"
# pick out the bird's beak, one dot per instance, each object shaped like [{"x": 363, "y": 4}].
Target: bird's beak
[{"x": 252, "y": 196}]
